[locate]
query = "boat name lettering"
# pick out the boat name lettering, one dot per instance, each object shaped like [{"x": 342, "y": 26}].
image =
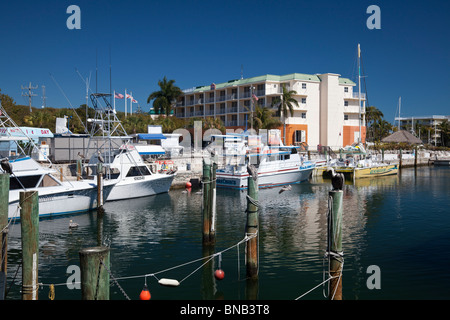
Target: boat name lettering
[
  {"x": 139, "y": 178},
  {"x": 225, "y": 181},
  {"x": 374, "y": 171}
]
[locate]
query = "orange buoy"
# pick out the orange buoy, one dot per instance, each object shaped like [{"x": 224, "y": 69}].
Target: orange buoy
[
  {"x": 188, "y": 184},
  {"x": 219, "y": 274},
  {"x": 145, "y": 294}
]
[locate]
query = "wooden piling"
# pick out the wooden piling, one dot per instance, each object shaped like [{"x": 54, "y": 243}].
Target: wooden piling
[
  {"x": 100, "y": 209},
  {"x": 252, "y": 228},
  {"x": 4, "y": 203},
  {"x": 335, "y": 254},
  {"x": 207, "y": 219},
  {"x": 400, "y": 160},
  {"x": 29, "y": 220},
  {"x": 79, "y": 166},
  {"x": 415, "y": 157},
  {"x": 94, "y": 275}
]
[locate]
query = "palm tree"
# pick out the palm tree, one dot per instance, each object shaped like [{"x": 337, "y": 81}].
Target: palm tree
[
  {"x": 445, "y": 132},
  {"x": 285, "y": 103},
  {"x": 373, "y": 116},
  {"x": 165, "y": 97},
  {"x": 264, "y": 119}
]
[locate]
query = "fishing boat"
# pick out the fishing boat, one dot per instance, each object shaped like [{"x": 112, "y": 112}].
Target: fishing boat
[
  {"x": 55, "y": 197},
  {"x": 276, "y": 165},
  {"x": 358, "y": 164},
  {"x": 122, "y": 162},
  {"x": 134, "y": 178}
]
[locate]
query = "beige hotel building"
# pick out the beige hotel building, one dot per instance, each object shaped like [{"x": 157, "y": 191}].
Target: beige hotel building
[{"x": 327, "y": 111}]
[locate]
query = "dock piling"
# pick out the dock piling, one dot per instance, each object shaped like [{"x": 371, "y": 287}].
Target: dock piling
[
  {"x": 334, "y": 249},
  {"x": 208, "y": 209},
  {"x": 94, "y": 275},
  {"x": 29, "y": 220},
  {"x": 4, "y": 199},
  {"x": 252, "y": 225},
  {"x": 100, "y": 209}
]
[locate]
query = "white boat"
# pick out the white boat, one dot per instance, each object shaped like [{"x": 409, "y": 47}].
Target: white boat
[
  {"x": 55, "y": 197},
  {"x": 275, "y": 166},
  {"x": 132, "y": 175}
]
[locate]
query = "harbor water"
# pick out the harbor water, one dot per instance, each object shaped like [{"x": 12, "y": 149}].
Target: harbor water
[{"x": 400, "y": 224}]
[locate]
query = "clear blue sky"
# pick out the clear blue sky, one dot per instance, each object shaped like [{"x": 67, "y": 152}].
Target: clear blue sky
[{"x": 199, "y": 42}]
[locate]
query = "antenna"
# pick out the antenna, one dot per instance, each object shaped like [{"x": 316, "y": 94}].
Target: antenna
[
  {"x": 43, "y": 97},
  {"x": 30, "y": 93}
]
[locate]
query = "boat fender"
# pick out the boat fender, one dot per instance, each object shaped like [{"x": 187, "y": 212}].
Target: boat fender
[{"x": 169, "y": 282}]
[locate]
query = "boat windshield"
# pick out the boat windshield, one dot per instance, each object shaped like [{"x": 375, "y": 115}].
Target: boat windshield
[
  {"x": 138, "y": 171},
  {"x": 25, "y": 182}
]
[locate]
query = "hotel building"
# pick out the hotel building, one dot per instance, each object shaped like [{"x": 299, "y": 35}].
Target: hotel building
[{"x": 327, "y": 111}]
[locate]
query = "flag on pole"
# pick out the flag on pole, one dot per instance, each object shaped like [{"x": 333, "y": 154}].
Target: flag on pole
[
  {"x": 134, "y": 101},
  {"x": 255, "y": 97},
  {"x": 118, "y": 95},
  {"x": 128, "y": 96}
]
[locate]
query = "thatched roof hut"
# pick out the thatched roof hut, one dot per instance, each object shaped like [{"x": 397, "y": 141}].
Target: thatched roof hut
[{"x": 402, "y": 136}]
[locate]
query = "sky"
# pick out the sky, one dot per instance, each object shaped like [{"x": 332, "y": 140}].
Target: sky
[{"x": 199, "y": 42}]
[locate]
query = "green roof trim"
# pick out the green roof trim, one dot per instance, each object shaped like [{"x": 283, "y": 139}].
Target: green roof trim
[
  {"x": 267, "y": 77},
  {"x": 346, "y": 81}
]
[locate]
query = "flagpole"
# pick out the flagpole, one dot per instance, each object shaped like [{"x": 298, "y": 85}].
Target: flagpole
[
  {"x": 114, "y": 101},
  {"x": 125, "y": 103},
  {"x": 131, "y": 103}
]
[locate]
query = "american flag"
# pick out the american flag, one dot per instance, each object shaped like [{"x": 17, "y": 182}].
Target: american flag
[{"x": 118, "y": 96}]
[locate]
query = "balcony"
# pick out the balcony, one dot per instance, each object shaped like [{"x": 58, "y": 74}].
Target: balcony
[{"x": 354, "y": 95}]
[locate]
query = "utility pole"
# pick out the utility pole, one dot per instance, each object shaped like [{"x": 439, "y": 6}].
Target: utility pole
[
  {"x": 43, "y": 97},
  {"x": 30, "y": 93}
]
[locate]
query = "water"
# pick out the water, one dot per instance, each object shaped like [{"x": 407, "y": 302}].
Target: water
[{"x": 400, "y": 224}]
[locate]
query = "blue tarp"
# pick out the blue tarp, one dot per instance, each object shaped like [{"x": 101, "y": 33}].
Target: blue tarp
[{"x": 151, "y": 136}]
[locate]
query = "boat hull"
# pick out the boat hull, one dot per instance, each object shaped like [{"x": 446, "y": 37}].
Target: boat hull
[
  {"x": 265, "y": 179},
  {"x": 369, "y": 172},
  {"x": 56, "y": 203},
  {"x": 140, "y": 186}
]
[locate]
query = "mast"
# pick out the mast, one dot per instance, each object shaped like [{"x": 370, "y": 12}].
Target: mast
[
  {"x": 359, "y": 88},
  {"x": 399, "y": 109}
]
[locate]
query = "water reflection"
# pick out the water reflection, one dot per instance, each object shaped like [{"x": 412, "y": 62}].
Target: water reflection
[{"x": 381, "y": 217}]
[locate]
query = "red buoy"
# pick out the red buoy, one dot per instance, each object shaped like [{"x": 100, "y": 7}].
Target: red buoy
[
  {"x": 188, "y": 184},
  {"x": 219, "y": 274},
  {"x": 145, "y": 294}
]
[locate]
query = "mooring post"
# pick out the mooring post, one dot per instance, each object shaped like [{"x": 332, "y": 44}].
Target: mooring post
[
  {"x": 29, "y": 220},
  {"x": 252, "y": 226},
  {"x": 94, "y": 265},
  {"x": 79, "y": 166},
  {"x": 207, "y": 201},
  {"x": 99, "y": 188},
  {"x": 382, "y": 155},
  {"x": 415, "y": 157},
  {"x": 4, "y": 200},
  {"x": 213, "y": 193},
  {"x": 334, "y": 250},
  {"x": 400, "y": 161}
]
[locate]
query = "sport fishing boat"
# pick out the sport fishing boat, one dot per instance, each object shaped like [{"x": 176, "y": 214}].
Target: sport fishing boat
[
  {"x": 276, "y": 165},
  {"x": 55, "y": 197},
  {"x": 132, "y": 175}
]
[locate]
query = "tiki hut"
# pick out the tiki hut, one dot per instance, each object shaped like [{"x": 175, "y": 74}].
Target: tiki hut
[{"x": 402, "y": 136}]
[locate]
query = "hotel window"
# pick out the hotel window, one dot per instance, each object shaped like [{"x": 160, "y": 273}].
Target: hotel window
[
  {"x": 345, "y": 103},
  {"x": 345, "y": 89},
  {"x": 303, "y": 85},
  {"x": 303, "y": 115},
  {"x": 303, "y": 100},
  {"x": 345, "y": 116}
]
